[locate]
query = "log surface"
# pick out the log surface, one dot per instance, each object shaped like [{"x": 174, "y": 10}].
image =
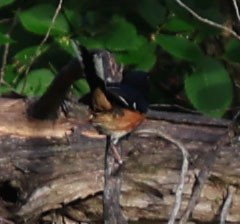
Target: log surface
[{"x": 53, "y": 170}]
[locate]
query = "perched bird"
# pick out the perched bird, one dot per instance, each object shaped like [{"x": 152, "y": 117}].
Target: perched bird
[{"x": 117, "y": 98}]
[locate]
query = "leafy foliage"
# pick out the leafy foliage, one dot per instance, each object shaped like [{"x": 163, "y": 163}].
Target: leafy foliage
[
  {"x": 209, "y": 87},
  {"x": 5, "y": 2},
  {"x": 191, "y": 63},
  {"x": 152, "y": 12},
  {"x": 38, "y": 19},
  {"x": 36, "y": 82},
  {"x": 180, "y": 47}
]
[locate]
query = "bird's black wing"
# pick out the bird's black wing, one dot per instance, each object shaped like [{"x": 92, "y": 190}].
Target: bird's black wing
[{"x": 127, "y": 97}]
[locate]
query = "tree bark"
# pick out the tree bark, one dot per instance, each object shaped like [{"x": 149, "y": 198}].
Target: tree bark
[
  {"x": 112, "y": 212},
  {"x": 52, "y": 171}
]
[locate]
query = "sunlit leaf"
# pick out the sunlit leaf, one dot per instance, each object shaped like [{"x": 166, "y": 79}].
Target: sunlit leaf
[
  {"x": 120, "y": 35},
  {"x": 6, "y": 2},
  {"x": 5, "y": 39},
  {"x": 5, "y": 89},
  {"x": 142, "y": 58},
  {"x": 37, "y": 82},
  {"x": 180, "y": 47},
  {"x": 82, "y": 87},
  {"x": 209, "y": 88},
  {"x": 9, "y": 74},
  {"x": 39, "y": 18},
  {"x": 24, "y": 56}
]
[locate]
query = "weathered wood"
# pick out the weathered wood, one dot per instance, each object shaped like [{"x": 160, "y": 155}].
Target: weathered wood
[
  {"x": 112, "y": 212},
  {"x": 54, "y": 170}
]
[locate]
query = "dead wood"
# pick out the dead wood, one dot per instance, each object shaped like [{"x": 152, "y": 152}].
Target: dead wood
[{"x": 53, "y": 170}]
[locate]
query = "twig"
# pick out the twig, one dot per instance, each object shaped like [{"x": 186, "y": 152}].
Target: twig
[
  {"x": 5, "y": 20},
  {"x": 6, "y": 50},
  {"x": 236, "y": 9},
  {"x": 4, "y": 60},
  {"x": 38, "y": 50},
  {"x": 197, "y": 189},
  {"x": 203, "y": 175},
  {"x": 226, "y": 205},
  {"x": 5, "y": 221},
  {"x": 207, "y": 21},
  {"x": 184, "y": 169},
  {"x": 51, "y": 25}
]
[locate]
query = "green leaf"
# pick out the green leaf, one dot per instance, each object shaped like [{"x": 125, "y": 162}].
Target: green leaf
[
  {"x": 91, "y": 42},
  {"x": 232, "y": 50},
  {"x": 6, "y": 2},
  {"x": 38, "y": 19},
  {"x": 5, "y": 89},
  {"x": 5, "y": 39},
  {"x": 65, "y": 43},
  {"x": 152, "y": 12},
  {"x": 207, "y": 9},
  {"x": 175, "y": 24},
  {"x": 120, "y": 35},
  {"x": 142, "y": 58},
  {"x": 10, "y": 74},
  {"x": 37, "y": 82},
  {"x": 180, "y": 47},
  {"x": 82, "y": 87},
  {"x": 25, "y": 56},
  {"x": 209, "y": 88}
]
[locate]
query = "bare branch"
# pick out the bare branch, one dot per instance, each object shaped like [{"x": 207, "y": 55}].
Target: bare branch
[
  {"x": 38, "y": 51},
  {"x": 4, "y": 60},
  {"x": 203, "y": 175},
  {"x": 207, "y": 21},
  {"x": 5, "y": 20},
  {"x": 184, "y": 169},
  {"x": 5, "y": 221},
  {"x": 197, "y": 189},
  {"x": 6, "y": 50},
  {"x": 52, "y": 23},
  {"x": 236, "y": 9},
  {"x": 227, "y": 204}
]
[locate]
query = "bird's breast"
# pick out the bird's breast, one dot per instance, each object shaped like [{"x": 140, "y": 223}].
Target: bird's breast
[{"x": 111, "y": 123}]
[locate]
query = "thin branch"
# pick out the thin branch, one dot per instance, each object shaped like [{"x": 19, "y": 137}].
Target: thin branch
[
  {"x": 207, "y": 21},
  {"x": 5, "y": 221},
  {"x": 227, "y": 204},
  {"x": 58, "y": 9},
  {"x": 203, "y": 175},
  {"x": 38, "y": 50},
  {"x": 6, "y": 50},
  {"x": 184, "y": 169},
  {"x": 4, "y": 60},
  {"x": 5, "y": 20},
  {"x": 197, "y": 189},
  {"x": 198, "y": 186},
  {"x": 236, "y": 9}
]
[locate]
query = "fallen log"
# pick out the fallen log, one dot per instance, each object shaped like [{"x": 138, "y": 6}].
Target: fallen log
[{"x": 52, "y": 170}]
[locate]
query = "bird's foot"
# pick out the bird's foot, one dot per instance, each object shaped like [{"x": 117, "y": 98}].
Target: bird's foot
[{"x": 116, "y": 154}]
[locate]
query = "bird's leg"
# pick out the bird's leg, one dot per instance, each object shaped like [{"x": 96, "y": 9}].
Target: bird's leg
[
  {"x": 116, "y": 154},
  {"x": 113, "y": 145}
]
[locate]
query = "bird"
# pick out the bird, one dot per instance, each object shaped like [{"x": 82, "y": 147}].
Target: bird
[{"x": 117, "y": 98}]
